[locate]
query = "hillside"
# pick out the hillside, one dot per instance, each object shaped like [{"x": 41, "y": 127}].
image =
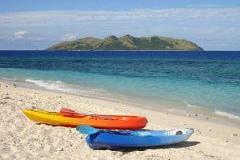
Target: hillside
[{"x": 127, "y": 42}]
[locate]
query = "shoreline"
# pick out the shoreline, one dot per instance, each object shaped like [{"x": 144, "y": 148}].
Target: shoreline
[
  {"x": 22, "y": 138},
  {"x": 203, "y": 114}
]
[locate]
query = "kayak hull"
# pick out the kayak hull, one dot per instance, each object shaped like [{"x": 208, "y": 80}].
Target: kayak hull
[
  {"x": 55, "y": 118},
  {"x": 127, "y": 140}
]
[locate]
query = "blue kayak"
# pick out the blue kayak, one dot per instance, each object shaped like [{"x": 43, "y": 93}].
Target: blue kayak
[{"x": 107, "y": 139}]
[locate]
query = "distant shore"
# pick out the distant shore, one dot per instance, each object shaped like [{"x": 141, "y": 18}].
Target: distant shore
[
  {"x": 126, "y": 50},
  {"x": 127, "y": 42},
  {"x": 22, "y": 138}
]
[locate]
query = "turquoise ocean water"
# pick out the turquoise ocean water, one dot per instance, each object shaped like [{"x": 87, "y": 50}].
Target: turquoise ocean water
[{"x": 209, "y": 80}]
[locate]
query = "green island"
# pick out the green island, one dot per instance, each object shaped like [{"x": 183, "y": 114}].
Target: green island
[{"x": 127, "y": 42}]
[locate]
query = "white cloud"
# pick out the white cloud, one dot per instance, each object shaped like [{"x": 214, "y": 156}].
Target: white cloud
[
  {"x": 197, "y": 24},
  {"x": 69, "y": 37},
  {"x": 50, "y": 17},
  {"x": 19, "y": 34}
]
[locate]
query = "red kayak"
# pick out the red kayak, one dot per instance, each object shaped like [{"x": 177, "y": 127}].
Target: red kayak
[{"x": 136, "y": 122}]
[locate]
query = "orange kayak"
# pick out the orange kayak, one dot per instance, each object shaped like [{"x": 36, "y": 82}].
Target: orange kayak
[{"x": 71, "y": 118}]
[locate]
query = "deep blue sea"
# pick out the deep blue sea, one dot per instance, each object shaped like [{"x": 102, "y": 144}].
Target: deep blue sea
[{"x": 209, "y": 80}]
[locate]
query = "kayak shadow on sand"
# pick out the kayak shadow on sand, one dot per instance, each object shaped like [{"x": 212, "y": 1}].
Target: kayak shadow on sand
[{"x": 184, "y": 144}]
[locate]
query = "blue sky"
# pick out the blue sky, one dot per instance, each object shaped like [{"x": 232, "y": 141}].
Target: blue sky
[{"x": 31, "y": 24}]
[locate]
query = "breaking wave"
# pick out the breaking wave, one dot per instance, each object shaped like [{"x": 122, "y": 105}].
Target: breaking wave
[
  {"x": 226, "y": 114},
  {"x": 192, "y": 106},
  {"x": 66, "y": 88},
  {"x": 51, "y": 85}
]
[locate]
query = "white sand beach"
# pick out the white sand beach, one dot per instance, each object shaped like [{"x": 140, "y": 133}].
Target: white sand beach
[{"x": 21, "y": 138}]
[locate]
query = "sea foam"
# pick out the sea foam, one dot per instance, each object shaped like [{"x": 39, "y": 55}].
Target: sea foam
[
  {"x": 51, "y": 85},
  {"x": 66, "y": 88},
  {"x": 226, "y": 114},
  {"x": 192, "y": 106}
]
